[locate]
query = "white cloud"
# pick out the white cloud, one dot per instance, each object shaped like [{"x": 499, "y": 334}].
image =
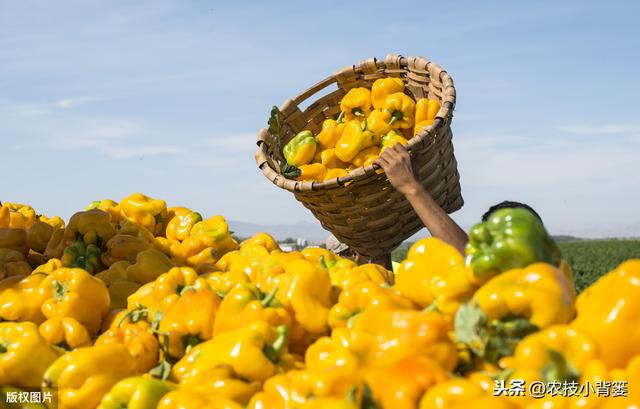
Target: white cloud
[
  {"x": 67, "y": 103},
  {"x": 124, "y": 152},
  {"x": 606, "y": 129}
]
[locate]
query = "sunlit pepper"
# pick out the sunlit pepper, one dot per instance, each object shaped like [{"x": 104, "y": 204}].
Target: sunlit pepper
[
  {"x": 49, "y": 267},
  {"x": 382, "y": 88},
  {"x": 335, "y": 173},
  {"x": 426, "y": 109},
  {"x": 80, "y": 255},
  {"x": 450, "y": 289},
  {"x": 607, "y": 310},
  {"x": 513, "y": 305},
  {"x": 461, "y": 393},
  {"x": 223, "y": 282},
  {"x": 180, "y": 225},
  {"x": 93, "y": 226},
  {"x": 145, "y": 211},
  {"x": 330, "y": 134},
  {"x": 136, "y": 337},
  {"x": 190, "y": 320},
  {"x": 123, "y": 247},
  {"x": 402, "y": 110},
  {"x": 17, "y": 216},
  {"x": 366, "y": 156},
  {"x": 149, "y": 265},
  {"x": 189, "y": 399},
  {"x": 312, "y": 171},
  {"x": 329, "y": 159},
  {"x": 426, "y": 258},
  {"x": 84, "y": 375},
  {"x": 72, "y": 292},
  {"x": 24, "y": 354},
  {"x": 378, "y": 122},
  {"x": 107, "y": 206},
  {"x": 136, "y": 393},
  {"x": 354, "y": 139},
  {"x": 401, "y": 385},
  {"x": 65, "y": 332},
  {"x": 419, "y": 126},
  {"x": 391, "y": 138},
  {"x": 21, "y": 298},
  {"x": 356, "y": 104},
  {"x": 253, "y": 352},
  {"x": 364, "y": 296},
  {"x": 261, "y": 239},
  {"x": 301, "y": 149}
]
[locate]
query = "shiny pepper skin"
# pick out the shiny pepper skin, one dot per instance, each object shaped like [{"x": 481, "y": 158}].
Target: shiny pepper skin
[
  {"x": 378, "y": 123},
  {"x": 391, "y": 138},
  {"x": 145, "y": 211},
  {"x": 38, "y": 235},
  {"x": 356, "y": 104},
  {"x": 330, "y": 134},
  {"x": 382, "y": 88},
  {"x": 180, "y": 225},
  {"x": 607, "y": 311},
  {"x": 24, "y": 354},
  {"x": 313, "y": 171},
  {"x": 401, "y": 108},
  {"x": 21, "y": 298},
  {"x": 188, "y": 399},
  {"x": 137, "y": 338},
  {"x": 301, "y": 149},
  {"x": 72, "y": 292},
  {"x": 427, "y": 109},
  {"x": 329, "y": 159},
  {"x": 366, "y": 157},
  {"x": 136, "y": 392},
  {"x": 65, "y": 332},
  {"x": 85, "y": 375},
  {"x": 461, "y": 393},
  {"x": 354, "y": 139}
]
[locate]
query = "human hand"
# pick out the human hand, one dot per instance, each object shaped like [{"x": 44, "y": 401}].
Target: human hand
[{"x": 398, "y": 166}]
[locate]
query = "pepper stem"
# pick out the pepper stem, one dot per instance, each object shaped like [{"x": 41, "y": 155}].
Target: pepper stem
[
  {"x": 559, "y": 368},
  {"x": 272, "y": 351},
  {"x": 4, "y": 347},
  {"x": 60, "y": 288},
  {"x": 340, "y": 117},
  {"x": 268, "y": 299},
  {"x": 396, "y": 116},
  {"x": 357, "y": 112}
]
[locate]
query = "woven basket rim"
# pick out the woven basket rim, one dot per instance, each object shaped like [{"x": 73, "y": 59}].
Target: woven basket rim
[{"x": 444, "y": 114}]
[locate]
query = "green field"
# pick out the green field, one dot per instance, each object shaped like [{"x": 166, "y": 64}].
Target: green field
[{"x": 589, "y": 259}]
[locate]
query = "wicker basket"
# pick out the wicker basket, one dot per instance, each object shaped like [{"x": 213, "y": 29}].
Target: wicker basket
[{"x": 362, "y": 209}]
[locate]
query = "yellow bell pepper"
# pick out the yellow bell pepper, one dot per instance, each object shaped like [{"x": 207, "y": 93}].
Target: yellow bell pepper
[
  {"x": 402, "y": 110},
  {"x": 305, "y": 290},
  {"x": 17, "y": 216},
  {"x": 123, "y": 247},
  {"x": 84, "y": 375},
  {"x": 354, "y": 139},
  {"x": 391, "y": 138},
  {"x": 136, "y": 393},
  {"x": 180, "y": 225},
  {"x": 49, "y": 267},
  {"x": 330, "y": 134},
  {"x": 557, "y": 353},
  {"x": 93, "y": 226},
  {"x": 164, "y": 292},
  {"x": 148, "y": 266},
  {"x": 278, "y": 393},
  {"x": 38, "y": 235},
  {"x": 24, "y": 354},
  {"x": 65, "y": 333},
  {"x": 56, "y": 222},
  {"x": 72, "y": 292},
  {"x": 5, "y": 217},
  {"x": 188, "y": 399},
  {"x": 312, "y": 171},
  {"x": 356, "y": 104},
  {"x": 272, "y": 266},
  {"x": 245, "y": 304},
  {"x": 15, "y": 239},
  {"x": 630, "y": 374},
  {"x": 513, "y": 305},
  {"x": 426, "y": 109},
  {"x": 382, "y": 88},
  {"x": 145, "y": 211},
  {"x": 450, "y": 289},
  {"x": 366, "y": 156},
  {"x": 208, "y": 241},
  {"x": 378, "y": 122},
  {"x": 223, "y": 282},
  {"x": 419, "y": 126},
  {"x": 364, "y": 296},
  {"x": 107, "y": 206},
  {"x": 301, "y": 149},
  {"x": 253, "y": 352},
  {"x": 427, "y": 258},
  {"x": 329, "y": 159},
  {"x": 401, "y": 385},
  {"x": 461, "y": 393},
  {"x": 261, "y": 239},
  {"x": 335, "y": 173},
  {"x": 118, "y": 283},
  {"x": 190, "y": 320},
  {"x": 21, "y": 298},
  {"x": 606, "y": 311},
  {"x": 134, "y": 333},
  {"x": 319, "y": 256}
]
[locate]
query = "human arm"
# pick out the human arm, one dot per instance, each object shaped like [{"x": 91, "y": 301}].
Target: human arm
[{"x": 396, "y": 163}]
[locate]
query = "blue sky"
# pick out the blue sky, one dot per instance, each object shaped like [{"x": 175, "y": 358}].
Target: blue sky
[{"x": 99, "y": 99}]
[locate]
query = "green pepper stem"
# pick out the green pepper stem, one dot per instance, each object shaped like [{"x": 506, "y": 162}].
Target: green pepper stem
[
  {"x": 340, "y": 117},
  {"x": 268, "y": 299},
  {"x": 396, "y": 116}
]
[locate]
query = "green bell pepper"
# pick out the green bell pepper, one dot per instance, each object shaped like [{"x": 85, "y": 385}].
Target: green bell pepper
[
  {"x": 510, "y": 238},
  {"x": 301, "y": 149}
]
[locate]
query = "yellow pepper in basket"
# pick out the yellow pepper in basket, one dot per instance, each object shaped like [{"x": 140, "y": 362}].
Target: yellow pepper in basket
[
  {"x": 402, "y": 110},
  {"x": 391, "y": 138},
  {"x": 378, "y": 122},
  {"x": 329, "y": 159},
  {"x": 354, "y": 139},
  {"x": 145, "y": 211},
  {"x": 356, "y": 104},
  {"x": 24, "y": 354},
  {"x": 426, "y": 109},
  {"x": 330, "y": 134},
  {"x": 301, "y": 149},
  {"x": 335, "y": 173},
  {"x": 382, "y": 88},
  {"x": 366, "y": 157},
  {"x": 312, "y": 171},
  {"x": 421, "y": 125},
  {"x": 65, "y": 332}
]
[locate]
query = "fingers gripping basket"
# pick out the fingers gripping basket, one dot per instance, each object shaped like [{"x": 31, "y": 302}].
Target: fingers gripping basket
[{"x": 362, "y": 209}]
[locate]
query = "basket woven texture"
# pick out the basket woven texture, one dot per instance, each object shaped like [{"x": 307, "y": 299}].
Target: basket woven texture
[{"x": 362, "y": 209}]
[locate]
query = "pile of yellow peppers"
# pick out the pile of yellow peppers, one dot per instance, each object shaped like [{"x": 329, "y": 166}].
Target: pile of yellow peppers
[
  {"x": 370, "y": 121},
  {"x": 132, "y": 304}
]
